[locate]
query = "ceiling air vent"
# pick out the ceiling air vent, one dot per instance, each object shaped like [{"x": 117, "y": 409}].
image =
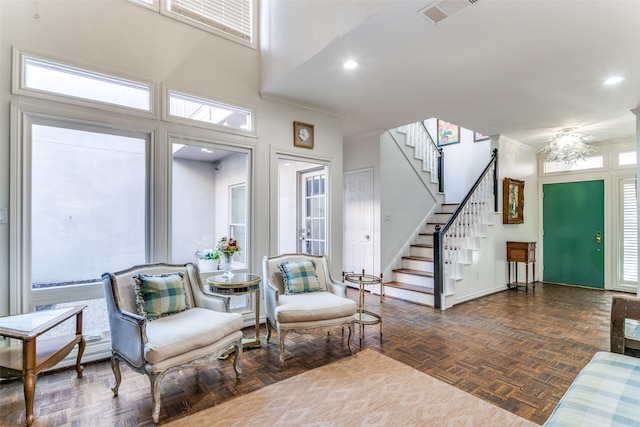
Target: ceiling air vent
[{"x": 442, "y": 9}]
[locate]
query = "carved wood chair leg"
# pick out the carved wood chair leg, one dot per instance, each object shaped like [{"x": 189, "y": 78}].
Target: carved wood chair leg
[
  {"x": 115, "y": 367},
  {"x": 156, "y": 390},
  {"x": 350, "y": 338},
  {"x": 268, "y": 324},
  {"x": 282, "y": 335}
]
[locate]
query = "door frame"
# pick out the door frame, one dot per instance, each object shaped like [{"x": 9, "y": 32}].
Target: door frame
[
  {"x": 593, "y": 275},
  {"x": 374, "y": 235},
  {"x": 611, "y": 253},
  {"x": 278, "y": 154}
]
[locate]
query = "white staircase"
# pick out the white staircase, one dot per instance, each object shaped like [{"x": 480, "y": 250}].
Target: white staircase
[{"x": 413, "y": 280}]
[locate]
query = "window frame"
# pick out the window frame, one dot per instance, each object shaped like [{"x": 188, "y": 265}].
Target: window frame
[
  {"x": 162, "y": 7},
  {"x": 167, "y": 116},
  {"x": 18, "y": 85},
  {"x": 54, "y": 109},
  {"x": 23, "y": 118},
  {"x": 621, "y": 233}
]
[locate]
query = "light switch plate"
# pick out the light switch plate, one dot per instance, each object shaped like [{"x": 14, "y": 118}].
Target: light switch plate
[{"x": 4, "y": 216}]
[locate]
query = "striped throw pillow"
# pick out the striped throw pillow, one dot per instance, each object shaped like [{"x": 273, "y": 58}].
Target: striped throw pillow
[
  {"x": 299, "y": 277},
  {"x": 160, "y": 296}
]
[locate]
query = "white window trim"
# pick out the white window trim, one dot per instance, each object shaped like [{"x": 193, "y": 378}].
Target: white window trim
[
  {"x": 21, "y": 298},
  {"x": 160, "y": 6},
  {"x": 252, "y": 43},
  {"x": 605, "y": 166},
  {"x": 166, "y": 115},
  {"x": 153, "y": 5},
  {"x": 17, "y": 87},
  {"x": 620, "y": 285}
]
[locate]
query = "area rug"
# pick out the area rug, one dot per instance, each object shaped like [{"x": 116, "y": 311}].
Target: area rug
[{"x": 366, "y": 389}]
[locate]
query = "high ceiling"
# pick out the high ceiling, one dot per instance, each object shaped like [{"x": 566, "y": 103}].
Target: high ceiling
[{"x": 520, "y": 68}]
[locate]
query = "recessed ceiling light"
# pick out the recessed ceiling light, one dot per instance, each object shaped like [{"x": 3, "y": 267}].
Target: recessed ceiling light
[
  {"x": 350, "y": 64},
  {"x": 613, "y": 80}
]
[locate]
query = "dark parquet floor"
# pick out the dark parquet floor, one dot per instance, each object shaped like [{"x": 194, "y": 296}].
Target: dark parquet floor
[{"x": 517, "y": 350}]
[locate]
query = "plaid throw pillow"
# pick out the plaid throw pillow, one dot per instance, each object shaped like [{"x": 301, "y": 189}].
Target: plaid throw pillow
[
  {"x": 160, "y": 296},
  {"x": 299, "y": 277}
]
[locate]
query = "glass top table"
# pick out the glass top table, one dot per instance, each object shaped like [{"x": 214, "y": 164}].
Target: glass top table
[
  {"x": 239, "y": 284},
  {"x": 362, "y": 316}
]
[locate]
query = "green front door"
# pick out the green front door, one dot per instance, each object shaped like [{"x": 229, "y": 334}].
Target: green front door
[{"x": 573, "y": 233}]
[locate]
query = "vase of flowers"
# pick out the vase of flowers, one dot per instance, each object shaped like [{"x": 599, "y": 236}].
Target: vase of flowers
[{"x": 226, "y": 249}]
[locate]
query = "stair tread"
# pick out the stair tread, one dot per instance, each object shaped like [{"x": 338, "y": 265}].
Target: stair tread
[
  {"x": 418, "y": 258},
  {"x": 414, "y": 272},
  {"x": 409, "y": 287},
  {"x": 422, "y": 245}
]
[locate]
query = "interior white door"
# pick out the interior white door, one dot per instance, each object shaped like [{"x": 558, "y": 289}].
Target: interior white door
[
  {"x": 312, "y": 220},
  {"x": 358, "y": 221}
]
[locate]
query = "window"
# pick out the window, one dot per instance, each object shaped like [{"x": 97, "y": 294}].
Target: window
[
  {"x": 87, "y": 214},
  {"x": 92, "y": 193},
  {"x": 238, "y": 214},
  {"x": 629, "y": 232},
  {"x": 591, "y": 162},
  {"x": 207, "y": 111},
  {"x": 313, "y": 219},
  {"x": 627, "y": 158},
  {"x": 40, "y": 75},
  {"x": 200, "y": 181},
  {"x": 230, "y": 18}
]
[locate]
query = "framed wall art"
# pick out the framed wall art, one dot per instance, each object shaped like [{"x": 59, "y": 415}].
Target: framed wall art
[
  {"x": 513, "y": 201},
  {"x": 303, "y": 135},
  {"x": 477, "y": 136},
  {"x": 448, "y": 133}
]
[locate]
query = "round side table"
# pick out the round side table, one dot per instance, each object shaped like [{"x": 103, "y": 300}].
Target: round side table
[
  {"x": 364, "y": 317},
  {"x": 239, "y": 284}
]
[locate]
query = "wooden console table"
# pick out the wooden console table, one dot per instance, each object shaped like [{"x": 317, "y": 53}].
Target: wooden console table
[
  {"x": 28, "y": 359},
  {"x": 521, "y": 252}
]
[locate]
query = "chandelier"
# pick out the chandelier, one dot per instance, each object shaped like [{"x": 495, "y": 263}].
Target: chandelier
[{"x": 568, "y": 146}]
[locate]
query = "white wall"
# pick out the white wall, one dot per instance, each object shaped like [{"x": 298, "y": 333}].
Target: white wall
[
  {"x": 463, "y": 162},
  {"x": 404, "y": 203},
  {"x": 488, "y": 272},
  {"x": 193, "y": 208},
  {"x": 120, "y": 37}
]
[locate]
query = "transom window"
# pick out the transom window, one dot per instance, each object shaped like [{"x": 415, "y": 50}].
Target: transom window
[
  {"x": 590, "y": 162},
  {"x": 40, "y": 75},
  {"x": 627, "y": 158},
  {"x": 208, "y": 111}
]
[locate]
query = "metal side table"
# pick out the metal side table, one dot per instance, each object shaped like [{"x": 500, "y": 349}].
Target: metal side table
[{"x": 364, "y": 317}]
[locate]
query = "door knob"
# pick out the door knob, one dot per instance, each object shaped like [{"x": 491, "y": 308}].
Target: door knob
[
  {"x": 598, "y": 238},
  {"x": 366, "y": 237}
]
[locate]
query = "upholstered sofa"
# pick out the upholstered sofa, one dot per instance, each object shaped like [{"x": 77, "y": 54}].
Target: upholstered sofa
[
  {"x": 316, "y": 303},
  {"x": 162, "y": 321},
  {"x": 606, "y": 391}
]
